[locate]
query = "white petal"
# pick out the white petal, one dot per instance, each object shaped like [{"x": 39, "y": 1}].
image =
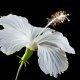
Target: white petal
[
  {"x": 17, "y": 22},
  {"x": 56, "y": 39},
  {"x": 12, "y": 40},
  {"x": 52, "y": 60},
  {"x": 37, "y": 30}
]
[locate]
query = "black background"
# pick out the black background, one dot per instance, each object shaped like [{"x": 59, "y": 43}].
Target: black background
[{"x": 37, "y": 12}]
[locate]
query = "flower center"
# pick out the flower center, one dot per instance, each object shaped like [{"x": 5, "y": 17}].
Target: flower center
[{"x": 33, "y": 46}]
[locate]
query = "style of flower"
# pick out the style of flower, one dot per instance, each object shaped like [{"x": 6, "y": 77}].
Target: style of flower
[{"x": 50, "y": 45}]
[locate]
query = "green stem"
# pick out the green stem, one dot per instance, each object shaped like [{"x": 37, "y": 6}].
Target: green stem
[
  {"x": 27, "y": 55},
  {"x": 23, "y": 60}
]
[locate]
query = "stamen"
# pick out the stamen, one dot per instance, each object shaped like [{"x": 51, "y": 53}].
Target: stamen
[{"x": 58, "y": 17}]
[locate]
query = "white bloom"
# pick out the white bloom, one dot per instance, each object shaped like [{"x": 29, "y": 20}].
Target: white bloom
[{"x": 51, "y": 45}]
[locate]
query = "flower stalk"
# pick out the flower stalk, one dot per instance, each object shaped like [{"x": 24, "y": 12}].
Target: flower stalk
[{"x": 23, "y": 60}]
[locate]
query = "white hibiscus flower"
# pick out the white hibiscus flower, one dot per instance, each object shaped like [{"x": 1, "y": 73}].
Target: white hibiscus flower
[{"x": 51, "y": 45}]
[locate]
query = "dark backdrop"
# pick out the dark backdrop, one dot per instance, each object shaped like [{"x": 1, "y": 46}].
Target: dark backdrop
[{"x": 37, "y": 12}]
